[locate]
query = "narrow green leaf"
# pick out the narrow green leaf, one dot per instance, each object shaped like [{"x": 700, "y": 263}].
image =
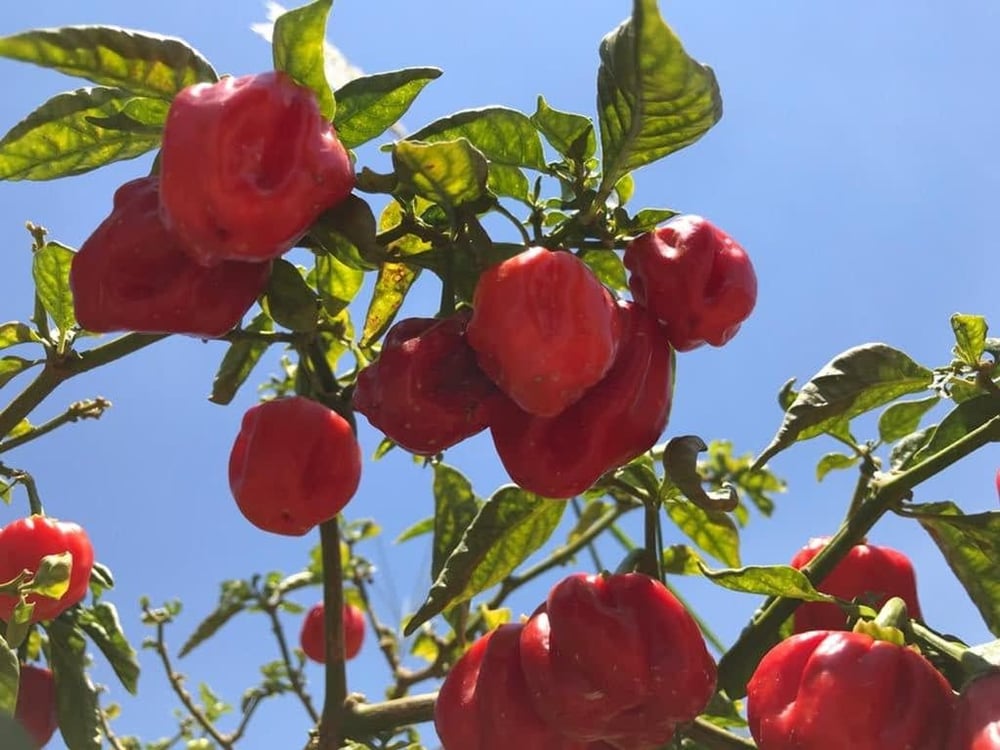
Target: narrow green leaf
[
  {"x": 681, "y": 560},
  {"x": 337, "y": 283},
  {"x": 289, "y": 300},
  {"x": 903, "y": 452},
  {"x": 11, "y": 367},
  {"x": 424, "y": 526},
  {"x": 625, "y": 188},
  {"x": 768, "y": 580},
  {"x": 232, "y": 600},
  {"x": 60, "y": 139},
  {"x": 507, "y": 529},
  {"x": 570, "y": 134},
  {"x": 451, "y": 173},
  {"x": 608, "y": 267},
  {"x": 239, "y": 361},
  {"x": 832, "y": 461},
  {"x": 393, "y": 282},
  {"x": 455, "y": 505},
  {"x": 142, "y": 63},
  {"x": 713, "y": 532},
  {"x": 653, "y": 99},
  {"x": 899, "y": 420},
  {"x": 648, "y": 219},
  {"x": 15, "y": 333},
  {"x": 970, "y": 337},
  {"x": 105, "y": 629},
  {"x": 298, "y": 46},
  {"x": 76, "y": 696},
  {"x": 50, "y": 270},
  {"x": 9, "y": 674},
  {"x": 855, "y": 382},
  {"x": 370, "y": 105},
  {"x": 958, "y": 423}
]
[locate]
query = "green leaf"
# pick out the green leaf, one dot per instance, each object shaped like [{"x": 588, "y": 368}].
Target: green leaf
[
  {"x": 455, "y": 505},
  {"x": 289, "y": 299},
  {"x": 239, "y": 361},
  {"x": 451, "y": 173},
  {"x": 899, "y": 420},
  {"x": 855, "y": 382},
  {"x": 50, "y": 270},
  {"x": 592, "y": 512},
  {"x": 903, "y": 452},
  {"x": 681, "y": 560},
  {"x": 141, "y": 63},
  {"x": 608, "y": 267},
  {"x": 60, "y": 139},
  {"x": 14, "y": 333},
  {"x": 958, "y": 423},
  {"x": 508, "y": 181},
  {"x": 370, "y": 105},
  {"x": 971, "y": 546},
  {"x": 768, "y": 580},
  {"x": 232, "y": 600},
  {"x": 393, "y": 282},
  {"x": 9, "y": 675},
  {"x": 348, "y": 232},
  {"x": 105, "y": 629},
  {"x": 424, "y": 526},
  {"x": 142, "y": 115},
  {"x": 648, "y": 219},
  {"x": 570, "y": 134},
  {"x": 298, "y": 47},
  {"x": 11, "y": 367},
  {"x": 970, "y": 337},
  {"x": 714, "y": 532},
  {"x": 653, "y": 99},
  {"x": 337, "y": 283},
  {"x": 76, "y": 697},
  {"x": 507, "y": 529},
  {"x": 832, "y": 461}
]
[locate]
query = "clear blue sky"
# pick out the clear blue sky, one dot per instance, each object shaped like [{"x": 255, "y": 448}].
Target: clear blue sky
[{"x": 857, "y": 162}]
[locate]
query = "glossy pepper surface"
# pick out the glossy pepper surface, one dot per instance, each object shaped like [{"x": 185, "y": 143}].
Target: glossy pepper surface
[
  {"x": 36, "y": 704},
  {"x": 544, "y": 329},
  {"x": 23, "y": 544},
  {"x": 132, "y": 274},
  {"x": 695, "y": 279},
  {"x": 616, "y": 658},
  {"x": 830, "y": 690},
  {"x": 247, "y": 165},
  {"x": 426, "y": 391},
  {"x": 869, "y": 572},
  {"x": 976, "y": 724},
  {"x": 615, "y": 420},
  {"x": 294, "y": 464},
  {"x": 312, "y": 637}
]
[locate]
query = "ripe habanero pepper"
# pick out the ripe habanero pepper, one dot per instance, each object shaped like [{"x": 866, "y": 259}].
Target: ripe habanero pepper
[
  {"x": 247, "y": 165},
  {"x": 312, "y": 637},
  {"x": 36, "y": 703},
  {"x": 695, "y": 279},
  {"x": 976, "y": 724}
]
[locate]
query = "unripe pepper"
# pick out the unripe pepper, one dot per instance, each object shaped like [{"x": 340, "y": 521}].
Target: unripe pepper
[
  {"x": 976, "y": 724},
  {"x": 23, "y": 544},
  {"x": 544, "y": 329},
  {"x": 36, "y": 704},
  {"x": 312, "y": 637},
  {"x": 615, "y": 420},
  {"x": 695, "y": 279},
  {"x": 295, "y": 464},
  {"x": 831, "y": 690},
  {"x": 133, "y": 274},
  {"x": 869, "y": 572},
  {"x": 426, "y": 391},
  {"x": 248, "y": 164},
  {"x": 616, "y": 658}
]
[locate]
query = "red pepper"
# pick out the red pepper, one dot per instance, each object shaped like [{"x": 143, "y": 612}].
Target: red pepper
[
  {"x": 614, "y": 421},
  {"x": 295, "y": 464},
  {"x": 870, "y": 573},
  {"x": 426, "y": 391},
  {"x": 132, "y": 274},
  {"x": 248, "y": 164},
  {"x": 695, "y": 279},
  {"x": 36, "y": 704},
  {"x": 483, "y": 703},
  {"x": 23, "y": 544},
  {"x": 616, "y": 658},
  {"x": 544, "y": 329},
  {"x": 832, "y": 690},
  {"x": 976, "y": 725},
  {"x": 312, "y": 637}
]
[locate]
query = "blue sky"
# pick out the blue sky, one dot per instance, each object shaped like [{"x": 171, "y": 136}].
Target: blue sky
[{"x": 856, "y": 162}]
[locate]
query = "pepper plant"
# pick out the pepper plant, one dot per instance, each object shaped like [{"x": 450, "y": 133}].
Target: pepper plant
[{"x": 564, "y": 313}]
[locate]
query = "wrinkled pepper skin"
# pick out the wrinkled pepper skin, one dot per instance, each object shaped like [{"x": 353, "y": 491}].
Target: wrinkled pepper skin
[
  {"x": 294, "y": 464},
  {"x": 831, "y": 690},
  {"x": 616, "y": 658},
  {"x": 483, "y": 703},
  {"x": 426, "y": 391},
  {"x": 23, "y": 544},
  {"x": 36, "y": 704},
  {"x": 976, "y": 724},
  {"x": 544, "y": 329},
  {"x": 132, "y": 274},
  {"x": 695, "y": 279},
  {"x": 614, "y": 421},
  {"x": 867, "y": 570},
  {"x": 312, "y": 637},
  {"x": 247, "y": 165}
]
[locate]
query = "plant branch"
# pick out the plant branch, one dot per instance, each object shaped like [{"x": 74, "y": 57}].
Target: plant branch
[
  {"x": 88, "y": 409},
  {"x": 330, "y": 729},
  {"x": 362, "y": 720},
  {"x": 712, "y": 737},
  {"x": 294, "y": 673}
]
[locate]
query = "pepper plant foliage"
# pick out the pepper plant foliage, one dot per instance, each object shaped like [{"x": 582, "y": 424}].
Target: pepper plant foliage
[{"x": 560, "y": 180}]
